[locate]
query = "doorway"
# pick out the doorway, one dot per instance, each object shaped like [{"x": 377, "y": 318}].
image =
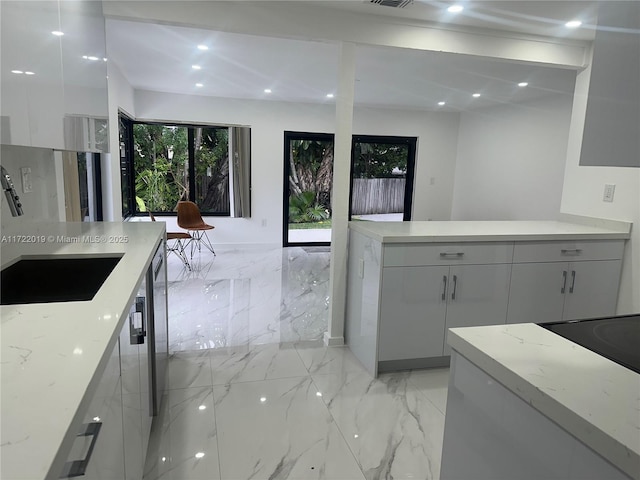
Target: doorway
[
  {"x": 308, "y": 179},
  {"x": 382, "y": 171}
]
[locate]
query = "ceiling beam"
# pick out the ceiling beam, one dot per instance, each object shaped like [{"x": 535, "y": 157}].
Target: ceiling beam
[{"x": 309, "y": 22}]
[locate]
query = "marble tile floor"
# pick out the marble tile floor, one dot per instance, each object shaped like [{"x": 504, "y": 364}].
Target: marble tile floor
[{"x": 254, "y": 394}]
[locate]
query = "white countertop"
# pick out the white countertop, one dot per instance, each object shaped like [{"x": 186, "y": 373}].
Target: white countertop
[
  {"x": 418, "y": 232},
  {"x": 53, "y": 353},
  {"x": 591, "y": 397}
]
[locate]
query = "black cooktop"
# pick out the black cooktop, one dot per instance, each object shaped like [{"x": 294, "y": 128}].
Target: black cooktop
[{"x": 616, "y": 338}]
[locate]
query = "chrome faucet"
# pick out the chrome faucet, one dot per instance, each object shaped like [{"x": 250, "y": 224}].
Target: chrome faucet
[{"x": 12, "y": 197}]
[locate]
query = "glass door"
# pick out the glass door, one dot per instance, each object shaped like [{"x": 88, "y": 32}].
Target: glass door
[
  {"x": 308, "y": 179},
  {"x": 382, "y": 178}
]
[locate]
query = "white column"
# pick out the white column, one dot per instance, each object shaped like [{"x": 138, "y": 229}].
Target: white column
[{"x": 340, "y": 195}]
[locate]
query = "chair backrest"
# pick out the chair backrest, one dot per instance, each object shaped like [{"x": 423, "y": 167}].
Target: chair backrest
[
  {"x": 189, "y": 215},
  {"x": 153, "y": 219}
]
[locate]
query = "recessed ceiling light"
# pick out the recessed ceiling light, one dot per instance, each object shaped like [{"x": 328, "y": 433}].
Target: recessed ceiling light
[
  {"x": 90, "y": 57},
  {"x": 203, "y": 47},
  {"x": 573, "y": 24},
  {"x": 57, "y": 33},
  {"x": 29, "y": 73},
  {"x": 199, "y": 454},
  {"x": 196, "y": 67},
  {"x": 523, "y": 84},
  {"x": 441, "y": 103},
  {"x": 17, "y": 71},
  {"x": 267, "y": 90},
  {"x": 475, "y": 95},
  {"x": 455, "y": 9},
  {"x": 199, "y": 84},
  {"x": 329, "y": 95}
]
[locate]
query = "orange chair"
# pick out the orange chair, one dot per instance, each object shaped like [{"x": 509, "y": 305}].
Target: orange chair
[
  {"x": 190, "y": 219},
  {"x": 178, "y": 247}
]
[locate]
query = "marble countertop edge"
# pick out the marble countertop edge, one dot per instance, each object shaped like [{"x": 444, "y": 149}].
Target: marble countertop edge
[
  {"x": 46, "y": 387},
  {"x": 491, "y": 231},
  {"x": 623, "y": 454}
]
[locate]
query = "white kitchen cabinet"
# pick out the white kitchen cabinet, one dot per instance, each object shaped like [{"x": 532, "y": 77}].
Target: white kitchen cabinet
[
  {"x": 592, "y": 289},
  {"x": 60, "y": 86},
  {"x": 403, "y": 296},
  {"x": 419, "y": 304},
  {"x": 97, "y": 452},
  {"x": 412, "y": 312},
  {"x": 536, "y": 292},
  {"x": 491, "y": 433},
  {"x": 478, "y": 295},
  {"x": 135, "y": 388},
  {"x": 450, "y": 287},
  {"x": 554, "y": 281}
]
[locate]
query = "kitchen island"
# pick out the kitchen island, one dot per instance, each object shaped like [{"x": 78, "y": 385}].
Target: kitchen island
[
  {"x": 408, "y": 283},
  {"x": 525, "y": 403},
  {"x": 55, "y": 354}
]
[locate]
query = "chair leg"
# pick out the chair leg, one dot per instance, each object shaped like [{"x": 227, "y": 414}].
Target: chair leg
[
  {"x": 201, "y": 237},
  {"x": 178, "y": 249}
]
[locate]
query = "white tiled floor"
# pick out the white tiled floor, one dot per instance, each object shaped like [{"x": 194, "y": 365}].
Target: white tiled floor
[{"x": 254, "y": 394}]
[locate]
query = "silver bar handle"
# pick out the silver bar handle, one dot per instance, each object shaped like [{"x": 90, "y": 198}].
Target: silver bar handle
[
  {"x": 452, "y": 254},
  {"x": 564, "y": 281},
  {"x": 444, "y": 287},
  {"x": 78, "y": 468},
  {"x": 455, "y": 287},
  {"x": 137, "y": 334},
  {"x": 573, "y": 281},
  {"x": 571, "y": 251}
]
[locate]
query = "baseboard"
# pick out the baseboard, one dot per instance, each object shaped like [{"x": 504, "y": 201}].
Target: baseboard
[{"x": 333, "y": 341}]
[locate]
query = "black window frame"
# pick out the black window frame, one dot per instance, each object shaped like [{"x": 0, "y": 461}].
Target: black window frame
[
  {"x": 129, "y": 146},
  {"x": 128, "y": 208}
]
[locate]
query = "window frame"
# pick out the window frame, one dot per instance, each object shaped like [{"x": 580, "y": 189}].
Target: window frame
[{"x": 132, "y": 207}]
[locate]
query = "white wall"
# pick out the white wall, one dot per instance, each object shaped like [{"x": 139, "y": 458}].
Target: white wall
[
  {"x": 42, "y": 203},
  {"x": 268, "y": 120},
  {"x": 583, "y": 190},
  {"x": 511, "y": 161},
  {"x": 121, "y": 97},
  {"x": 437, "y": 134}
]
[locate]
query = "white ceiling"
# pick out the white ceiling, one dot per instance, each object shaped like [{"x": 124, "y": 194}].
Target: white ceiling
[{"x": 160, "y": 58}]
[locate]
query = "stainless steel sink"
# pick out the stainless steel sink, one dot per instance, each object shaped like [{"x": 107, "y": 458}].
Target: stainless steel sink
[{"x": 54, "y": 279}]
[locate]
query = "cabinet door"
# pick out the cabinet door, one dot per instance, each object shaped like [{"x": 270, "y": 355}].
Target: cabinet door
[
  {"x": 537, "y": 292},
  {"x": 412, "y": 311},
  {"x": 97, "y": 453},
  {"x": 135, "y": 387},
  {"x": 592, "y": 289},
  {"x": 478, "y": 295}
]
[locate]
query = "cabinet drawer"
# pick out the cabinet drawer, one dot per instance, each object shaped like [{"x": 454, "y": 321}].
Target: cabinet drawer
[
  {"x": 407, "y": 254},
  {"x": 566, "y": 251}
]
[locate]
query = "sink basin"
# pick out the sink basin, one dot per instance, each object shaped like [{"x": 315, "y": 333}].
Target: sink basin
[{"x": 54, "y": 279}]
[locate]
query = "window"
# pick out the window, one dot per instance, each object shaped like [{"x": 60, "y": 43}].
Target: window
[
  {"x": 126, "y": 183},
  {"x": 169, "y": 163}
]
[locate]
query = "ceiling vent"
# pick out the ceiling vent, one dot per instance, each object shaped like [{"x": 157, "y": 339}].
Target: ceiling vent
[{"x": 392, "y": 3}]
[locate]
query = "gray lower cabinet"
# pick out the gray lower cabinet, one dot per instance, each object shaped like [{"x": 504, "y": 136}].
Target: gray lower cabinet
[
  {"x": 412, "y": 312},
  {"x": 134, "y": 362},
  {"x": 419, "y": 304},
  {"x": 402, "y": 298},
  {"x": 554, "y": 281},
  {"x": 492, "y": 433},
  {"x": 97, "y": 452}
]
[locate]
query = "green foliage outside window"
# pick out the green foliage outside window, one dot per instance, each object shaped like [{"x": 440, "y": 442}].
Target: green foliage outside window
[
  {"x": 161, "y": 166},
  {"x": 378, "y": 160}
]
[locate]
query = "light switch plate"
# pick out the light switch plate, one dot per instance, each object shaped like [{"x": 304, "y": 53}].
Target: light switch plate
[
  {"x": 609, "y": 190},
  {"x": 27, "y": 185}
]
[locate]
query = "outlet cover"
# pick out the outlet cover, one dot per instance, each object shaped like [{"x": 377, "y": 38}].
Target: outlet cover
[{"x": 609, "y": 190}]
